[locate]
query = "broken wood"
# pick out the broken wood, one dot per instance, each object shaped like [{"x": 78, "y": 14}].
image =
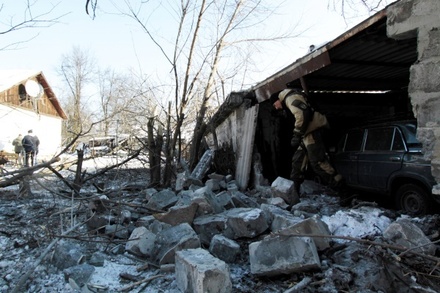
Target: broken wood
[
  {"x": 17, "y": 175},
  {"x": 131, "y": 286}
]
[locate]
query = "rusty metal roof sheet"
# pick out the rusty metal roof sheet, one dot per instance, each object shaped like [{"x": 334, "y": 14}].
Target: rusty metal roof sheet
[{"x": 361, "y": 59}]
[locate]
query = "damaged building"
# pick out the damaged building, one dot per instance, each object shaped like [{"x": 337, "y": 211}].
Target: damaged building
[{"x": 384, "y": 69}]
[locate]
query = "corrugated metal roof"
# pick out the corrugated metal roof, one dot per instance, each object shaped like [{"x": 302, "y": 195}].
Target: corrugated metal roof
[{"x": 362, "y": 59}]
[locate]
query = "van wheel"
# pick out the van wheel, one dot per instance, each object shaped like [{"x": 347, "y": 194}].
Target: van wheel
[{"x": 413, "y": 199}]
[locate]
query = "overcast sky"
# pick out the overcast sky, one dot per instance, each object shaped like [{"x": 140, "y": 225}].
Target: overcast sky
[{"x": 118, "y": 43}]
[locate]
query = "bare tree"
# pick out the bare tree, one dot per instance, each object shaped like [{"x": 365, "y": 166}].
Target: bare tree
[
  {"x": 25, "y": 21},
  {"x": 77, "y": 70},
  {"x": 348, "y": 8},
  {"x": 115, "y": 98}
]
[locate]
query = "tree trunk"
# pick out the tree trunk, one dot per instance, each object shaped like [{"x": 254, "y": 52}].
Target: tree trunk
[
  {"x": 77, "y": 183},
  {"x": 152, "y": 155}
]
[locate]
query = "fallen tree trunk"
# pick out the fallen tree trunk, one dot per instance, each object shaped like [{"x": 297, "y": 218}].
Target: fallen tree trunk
[{"x": 18, "y": 175}]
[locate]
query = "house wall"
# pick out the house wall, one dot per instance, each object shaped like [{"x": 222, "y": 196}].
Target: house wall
[
  {"x": 421, "y": 18},
  {"x": 14, "y": 120}
]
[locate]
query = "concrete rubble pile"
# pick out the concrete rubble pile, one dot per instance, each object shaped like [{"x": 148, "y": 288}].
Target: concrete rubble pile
[{"x": 199, "y": 230}]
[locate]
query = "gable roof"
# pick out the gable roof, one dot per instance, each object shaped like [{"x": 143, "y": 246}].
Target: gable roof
[{"x": 10, "y": 78}]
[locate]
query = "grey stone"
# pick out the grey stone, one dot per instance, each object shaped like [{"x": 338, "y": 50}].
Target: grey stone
[
  {"x": 311, "y": 226},
  {"x": 245, "y": 222},
  {"x": 208, "y": 226},
  {"x": 197, "y": 271},
  {"x": 141, "y": 242},
  {"x": 210, "y": 198},
  {"x": 404, "y": 233},
  {"x": 174, "y": 239},
  {"x": 224, "y": 248},
  {"x": 225, "y": 200},
  {"x": 213, "y": 185},
  {"x": 162, "y": 200},
  {"x": 117, "y": 231},
  {"x": 80, "y": 274},
  {"x": 178, "y": 214},
  {"x": 285, "y": 189},
  {"x": 67, "y": 254},
  {"x": 97, "y": 259},
  {"x": 282, "y": 254},
  {"x": 241, "y": 200}
]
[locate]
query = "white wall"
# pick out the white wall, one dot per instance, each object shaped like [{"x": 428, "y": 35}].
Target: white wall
[{"x": 14, "y": 121}]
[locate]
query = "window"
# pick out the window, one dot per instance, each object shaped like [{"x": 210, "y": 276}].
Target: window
[
  {"x": 353, "y": 140},
  {"x": 398, "y": 144},
  {"x": 379, "y": 139},
  {"x": 22, "y": 93}
]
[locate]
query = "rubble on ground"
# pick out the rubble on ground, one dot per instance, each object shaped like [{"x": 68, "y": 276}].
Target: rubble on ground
[{"x": 207, "y": 236}]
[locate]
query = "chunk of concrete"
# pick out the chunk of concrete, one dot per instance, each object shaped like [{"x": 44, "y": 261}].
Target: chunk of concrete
[
  {"x": 174, "y": 239},
  {"x": 80, "y": 274},
  {"x": 67, "y": 254},
  {"x": 178, "y": 214},
  {"x": 311, "y": 226},
  {"x": 403, "y": 232},
  {"x": 206, "y": 193},
  {"x": 245, "y": 222},
  {"x": 225, "y": 200},
  {"x": 285, "y": 189},
  {"x": 283, "y": 254},
  {"x": 197, "y": 271},
  {"x": 241, "y": 200},
  {"x": 224, "y": 248},
  {"x": 141, "y": 242},
  {"x": 208, "y": 226},
  {"x": 162, "y": 200}
]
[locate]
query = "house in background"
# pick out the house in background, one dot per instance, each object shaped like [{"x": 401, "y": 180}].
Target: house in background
[{"x": 28, "y": 102}]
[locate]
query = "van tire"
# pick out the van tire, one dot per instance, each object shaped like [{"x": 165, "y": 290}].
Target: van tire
[{"x": 413, "y": 199}]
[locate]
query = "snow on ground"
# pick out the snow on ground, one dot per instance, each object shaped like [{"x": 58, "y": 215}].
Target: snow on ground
[
  {"x": 349, "y": 222},
  {"x": 358, "y": 223}
]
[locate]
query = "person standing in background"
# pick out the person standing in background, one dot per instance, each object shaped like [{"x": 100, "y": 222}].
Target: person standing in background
[
  {"x": 30, "y": 144},
  {"x": 18, "y": 149}
]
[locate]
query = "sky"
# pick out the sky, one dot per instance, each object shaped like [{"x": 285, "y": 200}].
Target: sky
[{"x": 117, "y": 42}]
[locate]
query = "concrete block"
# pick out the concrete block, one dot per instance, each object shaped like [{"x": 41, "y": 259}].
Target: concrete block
[
  {"x": 283, "y": 254},
  {"x": 311, "y": 226},
  {"x": 285, "y": 189},
  {"x": 403, "y": 232},
  {"x": 197, "y": 271},
  {"x": 224, "y": 248}
]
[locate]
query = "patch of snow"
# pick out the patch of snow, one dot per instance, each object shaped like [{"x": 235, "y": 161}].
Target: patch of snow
[{"x": 357, "y": 223}]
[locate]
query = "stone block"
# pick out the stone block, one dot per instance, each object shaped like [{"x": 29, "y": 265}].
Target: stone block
[
  {"x": 197, "y": 271},
  {"x": 245, "y": 222},
  {"x": 209, "y": 225},
  {"x": 174, "y": 239},
  {"x": 224, "y": 248},
  {"x": 178, "y": 214},
  {"x": 311, "y": 226},
  {"x": 285, "y": 189},
  {"x": 162, "y": 200},
  {"x": 281, "y": 254},
  {"x": 403, "y": 232}
]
